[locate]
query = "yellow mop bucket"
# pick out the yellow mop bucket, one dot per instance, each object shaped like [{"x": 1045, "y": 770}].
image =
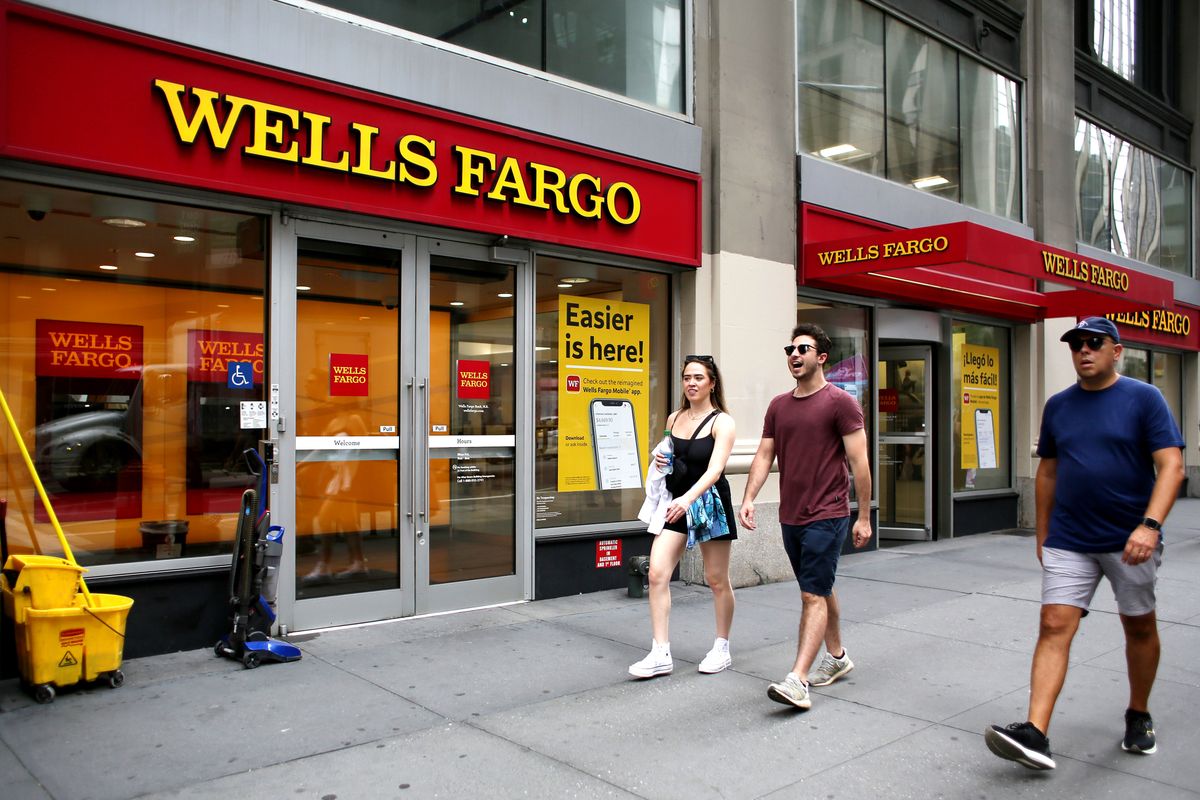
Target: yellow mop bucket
[
  {"x": 63, "y": 646},
  {"x": 65, "y": 634}
]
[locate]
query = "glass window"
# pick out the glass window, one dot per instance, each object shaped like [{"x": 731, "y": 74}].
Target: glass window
[
  {"x": 840, "y": 74},
  {"x": 633, "y": 48},
  {"x": 922, "y": 110},
  {"x": 1164, "y": 370},
  {"x": 1135, "y": 363},
  {"x": 131, "y": 332},
  {"x": 1113, "y": 27},
  {"x": 981, "y": 386},
  {"x": 1166, "y": 373},
  {"x": 953, "y": 126},
  {"x": 991, "y": 153},
  {"x": 626, "y": 408},
  {"x": 1130, "y": 201},
  {"x": 847, "y": 366}
]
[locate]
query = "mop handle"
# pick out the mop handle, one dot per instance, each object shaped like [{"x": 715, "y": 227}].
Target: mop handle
[{"x": 12, "y": 423}]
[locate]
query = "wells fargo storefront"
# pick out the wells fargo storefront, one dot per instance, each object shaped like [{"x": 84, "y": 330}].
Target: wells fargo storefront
[
  {"x": 943, "y": 308},
  {"x": 449, "y": 329}
]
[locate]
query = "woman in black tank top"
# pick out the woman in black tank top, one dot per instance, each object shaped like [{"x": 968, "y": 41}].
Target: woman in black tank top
[{"x": 702, "y": 435}]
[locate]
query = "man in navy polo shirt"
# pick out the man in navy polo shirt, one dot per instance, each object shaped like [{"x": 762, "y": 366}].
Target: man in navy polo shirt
[{"x": 1111, "y": 467}]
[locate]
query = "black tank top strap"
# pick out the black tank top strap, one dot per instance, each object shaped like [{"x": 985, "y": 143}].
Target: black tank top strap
[{"x": 699, "y": 427}]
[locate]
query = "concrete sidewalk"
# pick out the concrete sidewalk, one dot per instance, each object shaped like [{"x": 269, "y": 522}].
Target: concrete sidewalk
[{"x": 533, "y": 700}]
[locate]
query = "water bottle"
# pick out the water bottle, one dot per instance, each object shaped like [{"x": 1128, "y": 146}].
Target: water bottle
[{"x": 667, "y": 448}]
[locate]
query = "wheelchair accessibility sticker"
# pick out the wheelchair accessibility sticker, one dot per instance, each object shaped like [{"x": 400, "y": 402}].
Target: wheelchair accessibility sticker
[{"x": 240, "y": 375}]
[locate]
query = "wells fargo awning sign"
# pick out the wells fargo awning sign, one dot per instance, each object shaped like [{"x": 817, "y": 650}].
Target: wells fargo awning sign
[
  {"x": 969, "y": 266},
  {"x": 132, "y": 105}
]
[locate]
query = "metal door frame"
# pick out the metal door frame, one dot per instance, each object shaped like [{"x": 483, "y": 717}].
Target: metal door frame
[{"x": 915, "y": 352}]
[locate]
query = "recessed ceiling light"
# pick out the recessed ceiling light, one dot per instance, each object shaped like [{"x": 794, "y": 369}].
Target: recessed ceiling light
[
  {"x": 48, "y": 289},
  {"x": 144, "y": 254},
  {"x": 552, "y": 361},
  {"x": 222, "y": 305},
  {"x": 576, "y": 280},
  {"x": 505, "y": 295},
  {"x": 124, "y": 222},
  {"x": 108, "y": 267},
  {"x": 457, "y": 303},
  {"x": 504, "y": 365},
  {"x": 837, "y": 150},
  {"x": 930, "y": 182},
  {"x": 364, "y": 317},
  {"x": 24, "y": 297},
  {"x": 71, "y": 280},
  {"x": 564, "y": 286},
  {"x": 303, "y": 288},
  {"x": 182, "y": 238}
]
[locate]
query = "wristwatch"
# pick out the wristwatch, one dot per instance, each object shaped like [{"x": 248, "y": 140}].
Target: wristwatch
[{"x": 1151, "y": 523}]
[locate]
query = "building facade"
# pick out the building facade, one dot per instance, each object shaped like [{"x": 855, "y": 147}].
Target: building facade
[{"x": 439, "y": 263}]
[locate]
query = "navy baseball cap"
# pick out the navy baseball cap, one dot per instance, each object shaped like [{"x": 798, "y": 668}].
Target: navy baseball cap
[{"x": 1093, "y": 325}]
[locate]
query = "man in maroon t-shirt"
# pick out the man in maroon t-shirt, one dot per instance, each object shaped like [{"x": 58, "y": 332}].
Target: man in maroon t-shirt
[{"x": 815, "y": 429}]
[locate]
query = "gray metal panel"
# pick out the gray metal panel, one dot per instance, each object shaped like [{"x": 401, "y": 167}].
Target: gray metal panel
[
  {"x": 844, "y": 189},
  {"x": 299, "y": 40}
]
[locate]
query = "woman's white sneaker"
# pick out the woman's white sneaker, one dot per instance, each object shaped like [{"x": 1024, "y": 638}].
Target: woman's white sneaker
[
  {"x": 657, "y": 662},
  {"x": 717, "y": 659}
]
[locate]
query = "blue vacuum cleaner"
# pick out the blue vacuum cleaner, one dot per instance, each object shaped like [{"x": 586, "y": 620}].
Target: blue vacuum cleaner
[{"x": 254, "y": 580}]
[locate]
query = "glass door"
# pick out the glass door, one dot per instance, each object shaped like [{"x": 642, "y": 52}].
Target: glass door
[
  {"x": 468, "y": 550},
  {"x": 905, "y": 445},
  {"x": 407, "y": 412},
  {"x": 355, "y": 483}
]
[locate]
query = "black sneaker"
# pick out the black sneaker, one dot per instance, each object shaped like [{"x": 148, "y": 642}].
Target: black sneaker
[
  {"x": 1139, "y": 733},
  {"x": 1021, "y": 742}
]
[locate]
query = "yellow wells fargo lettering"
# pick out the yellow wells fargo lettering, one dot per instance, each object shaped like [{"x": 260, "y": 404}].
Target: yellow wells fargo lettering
[
  {"x": 1169, "y": 322},
  {"x": 871, "y": 252},
  {"x": 69, "y": 349},
  {"x": 1077, "y": 269},
  {"x": 301, "y": 137}
]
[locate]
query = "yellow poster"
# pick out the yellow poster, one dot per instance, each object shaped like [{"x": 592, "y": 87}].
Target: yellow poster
[
  {"x": 980, "y": 406},
  {"x": 603, "y": 393}
]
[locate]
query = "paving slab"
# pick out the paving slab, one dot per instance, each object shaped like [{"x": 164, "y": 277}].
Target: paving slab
[
  {"x": 343, "y": 641},
  {"x": 1088, "y": 724},
  {"x": 940, "y": 762},
  {"x": 1177, "y": 663},
  {"x": 693, "y": 625},
  {"x": 173, "y": 733},
  {"x": 695, "y": 736},
  {"x": 480, "y": 672},
  {"x": 906, "y": 672},
  {"x": 451, "y": 761},
  {"x": 18, "y": 782}
]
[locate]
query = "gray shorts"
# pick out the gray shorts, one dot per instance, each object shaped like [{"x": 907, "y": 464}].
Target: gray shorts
[{"x": 1070, "y": 579}]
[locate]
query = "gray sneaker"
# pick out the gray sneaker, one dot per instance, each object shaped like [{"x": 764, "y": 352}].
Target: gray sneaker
[
  {"x": 791, "y": 691},
  {"x": 831, "y": 669}
]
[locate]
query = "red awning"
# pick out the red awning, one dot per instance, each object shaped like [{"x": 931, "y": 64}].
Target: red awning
[{"x": 970, "y": 267}]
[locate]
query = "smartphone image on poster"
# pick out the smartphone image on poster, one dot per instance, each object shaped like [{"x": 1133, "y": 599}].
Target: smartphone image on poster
[
  {"x": 985, "y": 438},
  {"x": 615, "y": 445}
]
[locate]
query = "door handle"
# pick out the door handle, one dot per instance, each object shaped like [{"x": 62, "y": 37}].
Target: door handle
[
  {"x": 412, "y": 420},
  {"x": 423, "y": 507}
]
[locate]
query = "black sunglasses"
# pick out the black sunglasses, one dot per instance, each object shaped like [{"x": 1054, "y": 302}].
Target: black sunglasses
[
  {"x": 1094, "y": 343},
  {"x": 803, "y": 348},
  {"x": 702, "y": 359}
]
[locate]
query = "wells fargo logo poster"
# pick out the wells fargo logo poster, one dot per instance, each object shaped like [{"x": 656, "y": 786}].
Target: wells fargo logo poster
[
  {"x": 209, "y": 354},
  {"x": 88, "y": 349},
  {"x": 348, "y": 375},
  {"x": 980, "y": 367},
  {"x": 603, "y": 393}
]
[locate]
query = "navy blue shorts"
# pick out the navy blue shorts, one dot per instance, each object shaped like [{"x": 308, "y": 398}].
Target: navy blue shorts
[{"x": 814, "y": 550}]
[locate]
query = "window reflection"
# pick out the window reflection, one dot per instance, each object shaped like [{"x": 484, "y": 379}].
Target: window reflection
[
  {"x": 983, "y": 350},
  {"x": 632, "y": 48},
  {"x": 128, "y": 370},
  {"x": 561, "y": 277},
  {"x": 952, "y": 125},
  {"x": 1129, "y": 201}
]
